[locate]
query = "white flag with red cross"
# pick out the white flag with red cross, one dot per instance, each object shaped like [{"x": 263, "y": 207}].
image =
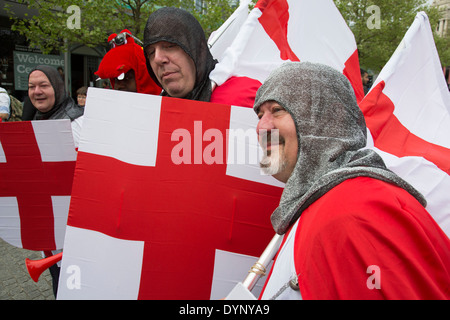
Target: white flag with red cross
[
  {"x": 407, "y": 112},
  {"x": 276, "y": 31},
  {"x": 37, "y": 163},
  {"x": 166, "y": 201}
]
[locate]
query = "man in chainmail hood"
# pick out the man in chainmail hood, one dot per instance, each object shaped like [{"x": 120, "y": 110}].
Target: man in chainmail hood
[{"x": 352, "y": 228}]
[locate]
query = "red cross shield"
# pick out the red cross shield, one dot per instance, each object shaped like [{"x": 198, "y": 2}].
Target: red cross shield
[
  {"x": 37, "y": 163},
  {"x": 154, "y": 200}
]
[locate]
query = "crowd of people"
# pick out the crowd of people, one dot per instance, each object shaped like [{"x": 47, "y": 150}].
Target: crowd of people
[{"x": 341, "y": 209}]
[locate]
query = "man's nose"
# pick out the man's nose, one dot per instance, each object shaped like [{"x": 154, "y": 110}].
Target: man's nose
[
  {"x": 160, "y": 56},
  {"x": 265, "y": 123}
]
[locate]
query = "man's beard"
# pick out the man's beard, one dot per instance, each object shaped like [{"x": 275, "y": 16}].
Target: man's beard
[{"x": 273, "y": 160}]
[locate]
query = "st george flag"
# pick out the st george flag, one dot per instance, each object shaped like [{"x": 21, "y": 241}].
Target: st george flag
[
  {"x": 37, "y": 163},
  {"x": 407, "y": 112},
  {"x": 276, "y": 31},
  {"x": 166, "y": 202}
]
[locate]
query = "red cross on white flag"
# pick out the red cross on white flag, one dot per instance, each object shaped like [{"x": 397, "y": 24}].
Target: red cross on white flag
[
  {"x": 408, "y": 114},
  {"x": 37, "y": 163},
  {"x": 276, "y": 31},
  {"x": 157, "y": 199}
]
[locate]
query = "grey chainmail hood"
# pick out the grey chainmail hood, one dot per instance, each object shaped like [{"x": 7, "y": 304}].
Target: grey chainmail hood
[
  {"x": 182, "y": 28},
  {"x": 331, "y": 134}
]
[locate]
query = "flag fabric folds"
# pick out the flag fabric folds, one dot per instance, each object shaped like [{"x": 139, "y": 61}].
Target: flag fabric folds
[
  {"x": 280, "y": 30},
  {"x": 37, "y": 163},
  {"x": 407, "y": 112},
  {"x": 159, "y": 197}
]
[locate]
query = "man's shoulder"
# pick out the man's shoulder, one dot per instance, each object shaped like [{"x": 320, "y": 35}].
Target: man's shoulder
[
  {"x": 73, "y": 110},
  {"x": 362, "y": 201},
  {"x": 362, "y": 191}
]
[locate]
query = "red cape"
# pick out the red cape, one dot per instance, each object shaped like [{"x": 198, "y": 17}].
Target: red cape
[{"x": 363, "y": 233}]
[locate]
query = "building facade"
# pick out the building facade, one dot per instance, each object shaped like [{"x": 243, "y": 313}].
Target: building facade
[
  {"x": 444, "y": 23},
  {"x": 442, "y": 29}
]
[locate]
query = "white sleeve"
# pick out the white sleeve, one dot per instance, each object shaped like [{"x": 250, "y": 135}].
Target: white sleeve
[
  {"x": 5, "y": 102},
  {"x": 77, "y": 124}
]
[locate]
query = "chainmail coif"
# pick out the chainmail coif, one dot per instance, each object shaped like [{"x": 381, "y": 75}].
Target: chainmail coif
[{"x": 331, "y": 134}]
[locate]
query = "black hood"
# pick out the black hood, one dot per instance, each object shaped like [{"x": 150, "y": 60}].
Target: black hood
[{"x": 182, "y": 28}]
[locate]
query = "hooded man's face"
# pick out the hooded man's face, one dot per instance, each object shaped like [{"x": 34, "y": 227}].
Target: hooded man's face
[
  {"x": 173, "y": 68},
  {"x": 277, "y": 135}
]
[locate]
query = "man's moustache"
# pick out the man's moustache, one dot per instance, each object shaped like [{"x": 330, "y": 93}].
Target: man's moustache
[{"x": 268, "y": 139}]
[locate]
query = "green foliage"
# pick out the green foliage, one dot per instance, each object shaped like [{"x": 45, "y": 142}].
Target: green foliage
[
  {"x": 211, "y": 16},
  {"x": 376, "y": 45},
  {"x": 49, "y": 30},
  {"x": 217, "y": 11},
  {"x": 443, "y": 47}
]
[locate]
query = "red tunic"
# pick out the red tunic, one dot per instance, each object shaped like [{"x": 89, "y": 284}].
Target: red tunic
[{"x": 366, "y": 239}]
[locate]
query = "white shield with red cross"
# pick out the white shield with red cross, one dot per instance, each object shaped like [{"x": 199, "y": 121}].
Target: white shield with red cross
[
  {"x": 37, "y": 163},
  {"x": 155, "y": 205}
]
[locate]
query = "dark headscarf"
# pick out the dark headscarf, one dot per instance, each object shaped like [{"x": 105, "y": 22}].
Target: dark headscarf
[
  {"x": 182, "y": 28},
  {"x": 331, "y": 133},
  {"x": 64, "y": 107}
]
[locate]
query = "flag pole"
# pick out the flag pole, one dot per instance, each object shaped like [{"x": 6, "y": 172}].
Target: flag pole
[
  {"x": 258, "y": 270},
  {"x": 216, "y": 35}
]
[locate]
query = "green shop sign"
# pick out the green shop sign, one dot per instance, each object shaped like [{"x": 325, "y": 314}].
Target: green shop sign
[{"x": 24, "y": 62}]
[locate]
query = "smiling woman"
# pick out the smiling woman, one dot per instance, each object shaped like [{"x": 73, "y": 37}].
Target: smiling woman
[
  {"x": 48, "y": 95},
  {"x": 40, "y": 91}
]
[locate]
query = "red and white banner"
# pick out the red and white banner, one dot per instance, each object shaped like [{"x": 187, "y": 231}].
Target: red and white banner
[
  {"x": 37, "y": 163},
  {"x": 280, "y": 30},
  {"x": 407, "y": 112},
  {"x": 163, "y": 198}
]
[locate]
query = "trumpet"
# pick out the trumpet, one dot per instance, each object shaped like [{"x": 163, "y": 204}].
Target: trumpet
[{"x": 36, "y": 267}]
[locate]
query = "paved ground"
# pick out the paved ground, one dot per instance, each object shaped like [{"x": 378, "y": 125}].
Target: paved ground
[{"x": 15, "y": 282}]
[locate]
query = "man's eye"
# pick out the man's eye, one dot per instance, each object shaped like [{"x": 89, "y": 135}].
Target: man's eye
[{"x": 278, "y": 110}]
